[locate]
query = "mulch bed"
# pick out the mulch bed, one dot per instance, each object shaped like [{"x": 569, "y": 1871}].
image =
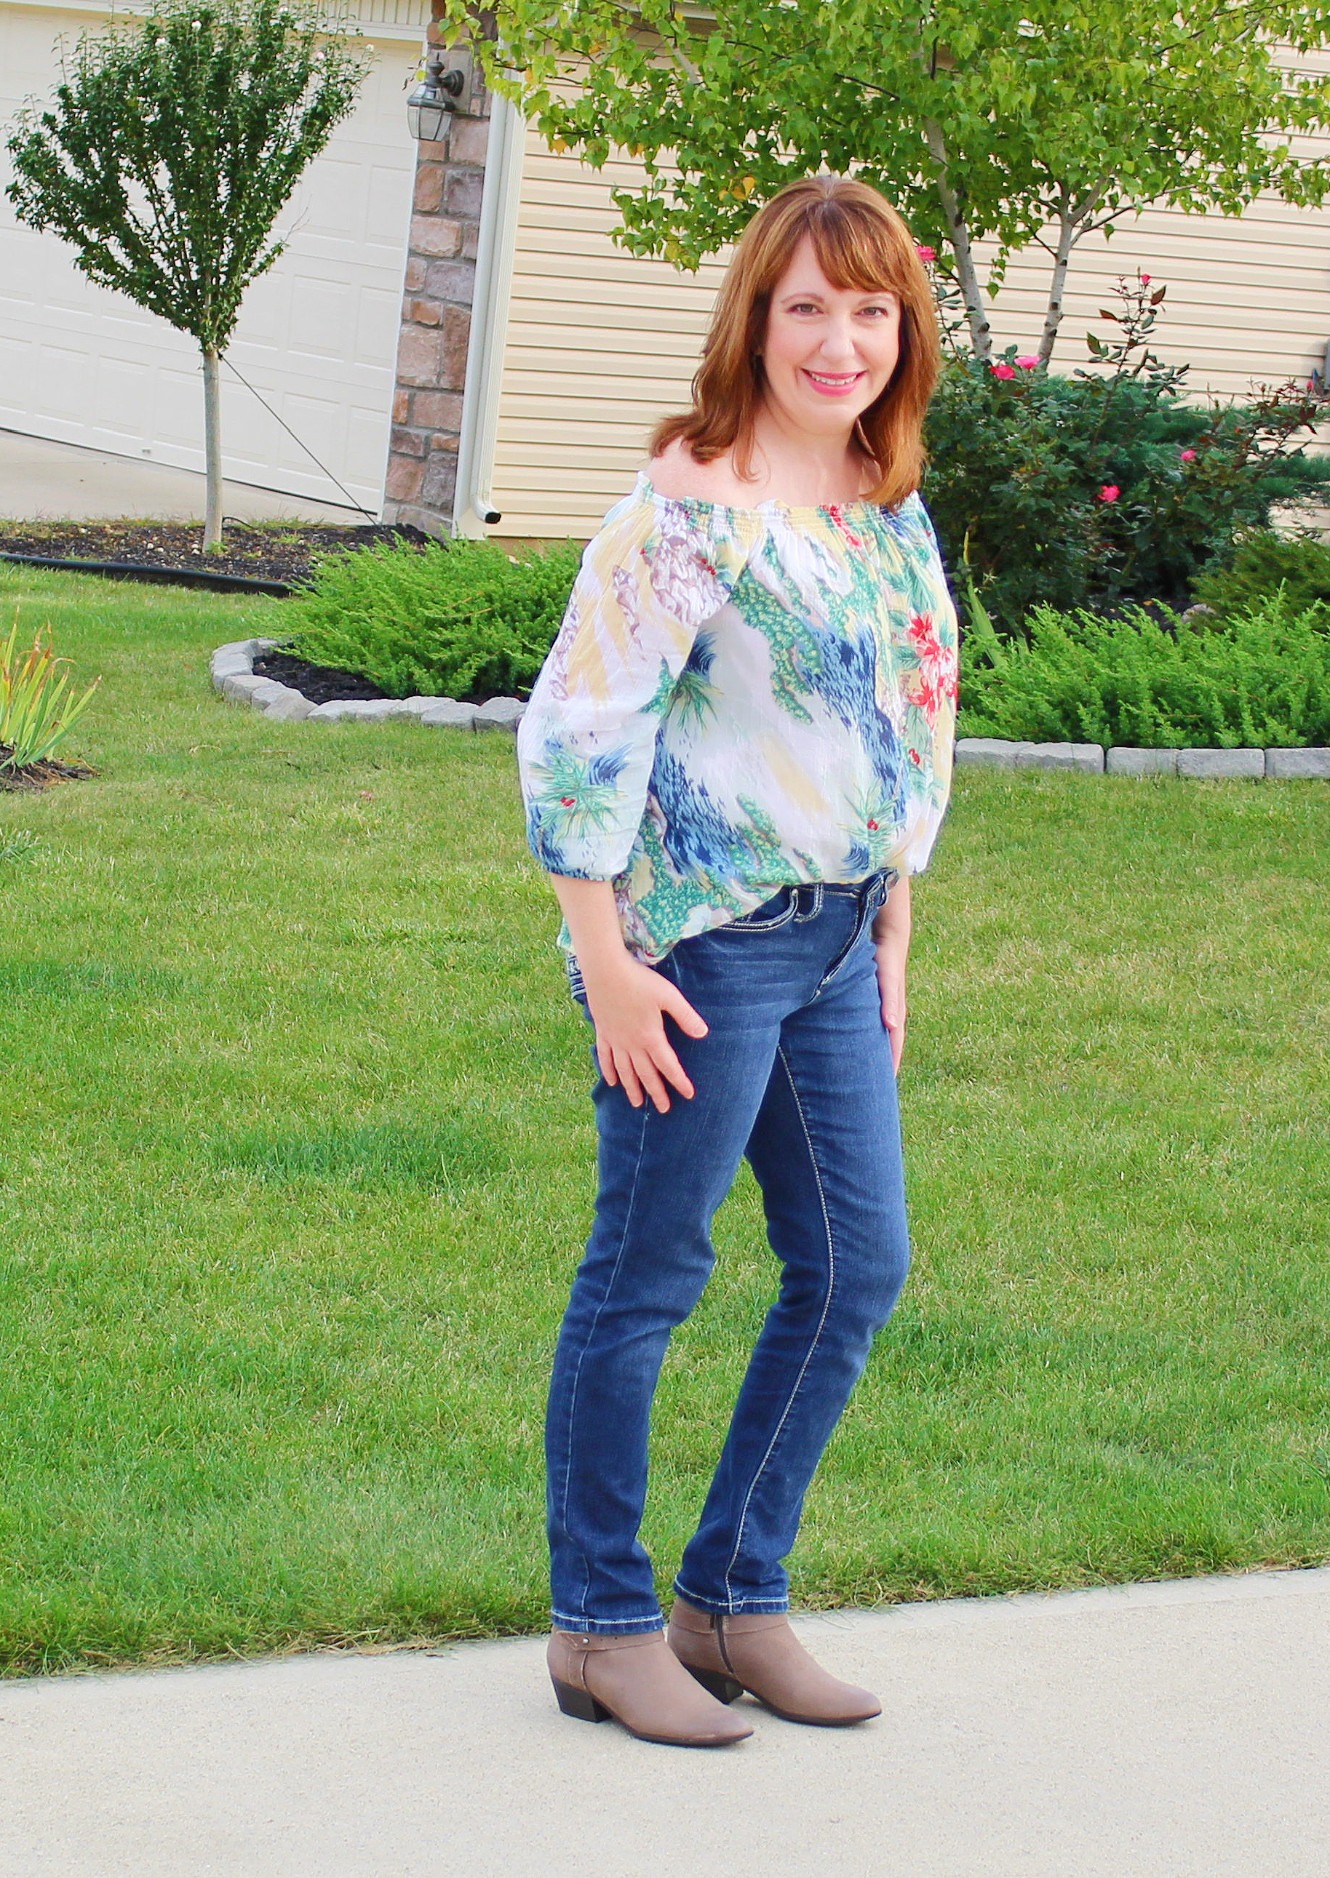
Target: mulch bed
[
  {"x": 319, "y": 683},
  {"x": 38, "y": 775},
  {"x": 282, "y": 551}
]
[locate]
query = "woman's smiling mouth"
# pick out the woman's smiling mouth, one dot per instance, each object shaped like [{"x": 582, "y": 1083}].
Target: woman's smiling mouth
[{"x": 833, "y": 382}]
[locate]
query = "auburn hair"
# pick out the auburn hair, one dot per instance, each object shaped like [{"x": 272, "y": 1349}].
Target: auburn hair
[{"x": 860, "y": 242}]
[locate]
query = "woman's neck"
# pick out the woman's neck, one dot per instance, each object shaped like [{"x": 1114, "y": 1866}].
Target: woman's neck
[
  {"x": 807, "y": 470},
  {"x": 800, "y": 470}
]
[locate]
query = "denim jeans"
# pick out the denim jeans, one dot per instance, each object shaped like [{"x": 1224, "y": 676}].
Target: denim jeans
[{"x": 795, "y": 1073}]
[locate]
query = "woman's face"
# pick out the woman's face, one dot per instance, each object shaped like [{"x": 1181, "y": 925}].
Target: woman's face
[{"x": 828, "y": 352}]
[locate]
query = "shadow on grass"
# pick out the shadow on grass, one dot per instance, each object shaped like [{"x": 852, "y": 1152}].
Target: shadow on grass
[
  {"x": 55, "y": 978},
  {"x": 437, "y": 1157}
]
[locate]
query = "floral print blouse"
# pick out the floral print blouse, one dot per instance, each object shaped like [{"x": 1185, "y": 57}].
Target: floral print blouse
[{"x": 740, "y": 700}]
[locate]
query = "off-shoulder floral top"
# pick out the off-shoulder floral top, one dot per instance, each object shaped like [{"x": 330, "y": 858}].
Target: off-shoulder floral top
[{"x": 739, "y": 700}]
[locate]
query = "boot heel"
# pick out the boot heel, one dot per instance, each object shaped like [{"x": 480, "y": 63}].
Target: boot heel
[
  {"x": 715, "y": 1682},
  {"x": 579, "y": 1703}
]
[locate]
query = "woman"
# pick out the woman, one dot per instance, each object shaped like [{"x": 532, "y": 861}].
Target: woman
[{"x": 737, "y": 751}]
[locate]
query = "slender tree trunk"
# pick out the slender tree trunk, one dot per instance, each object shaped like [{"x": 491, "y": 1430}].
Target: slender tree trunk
[
  {"x": 212, "y": 446},
  {"x": 1073, "y": 219},
  {"x": 967, "y": 275},
  {"x": 1053, "y": 311}
]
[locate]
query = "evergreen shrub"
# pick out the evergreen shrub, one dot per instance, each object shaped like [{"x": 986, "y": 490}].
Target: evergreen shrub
[
  {"x": 458, "y": 619},
  {"x": 1265, "y": 562},
  {"x": 1259, "y": 680}
]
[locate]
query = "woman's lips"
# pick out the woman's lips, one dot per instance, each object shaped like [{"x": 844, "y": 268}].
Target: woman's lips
[{"x": 833, "y": 386}]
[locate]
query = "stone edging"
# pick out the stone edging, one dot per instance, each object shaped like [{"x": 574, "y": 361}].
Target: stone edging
[
  {"x": 1123, "y": 760},
  {"x": 234, "y": 676}
]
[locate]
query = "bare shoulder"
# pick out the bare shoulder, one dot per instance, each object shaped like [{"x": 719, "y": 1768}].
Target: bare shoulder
[{"x": 677, "y": 473}]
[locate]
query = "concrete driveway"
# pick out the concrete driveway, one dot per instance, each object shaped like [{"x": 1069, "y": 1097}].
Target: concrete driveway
[{"x": 43, "y": 481}]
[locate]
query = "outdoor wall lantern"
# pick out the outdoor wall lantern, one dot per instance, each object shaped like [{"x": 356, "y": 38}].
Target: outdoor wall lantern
[{"x": 444, "y": 88}]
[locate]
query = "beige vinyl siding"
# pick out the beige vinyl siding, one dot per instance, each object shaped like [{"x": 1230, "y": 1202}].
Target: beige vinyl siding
[{"x": 601, "y": 344}]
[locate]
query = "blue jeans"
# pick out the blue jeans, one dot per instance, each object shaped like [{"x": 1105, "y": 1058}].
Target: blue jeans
[{"x": 795, "y": 1073}]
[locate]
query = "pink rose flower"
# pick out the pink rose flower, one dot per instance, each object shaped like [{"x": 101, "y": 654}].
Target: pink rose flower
[
  {"x": 1109, "y": 493},
  {"x": 925, "y": 254},
  {"x": 1145, "y": 280},
  {"x": 1003, "y": 370},
  {"x": 1188, "y": 456},
  {"x": 1027, "y": 361}
]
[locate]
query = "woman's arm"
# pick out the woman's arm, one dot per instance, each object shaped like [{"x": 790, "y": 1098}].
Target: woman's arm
[
  {"x": 628, "y": 1001},
  {"x": 891, "y": 936}
]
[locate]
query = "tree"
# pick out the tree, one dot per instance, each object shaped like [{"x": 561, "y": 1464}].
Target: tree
[
  {"x": 1017, "y": 120},
  {"x": 171, "y": 147}
]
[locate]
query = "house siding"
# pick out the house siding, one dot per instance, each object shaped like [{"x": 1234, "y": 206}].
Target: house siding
[{"x": 602, "y": 344}]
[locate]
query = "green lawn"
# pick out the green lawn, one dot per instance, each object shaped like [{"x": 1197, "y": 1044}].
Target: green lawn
[{"x": 296, "y": 1166}]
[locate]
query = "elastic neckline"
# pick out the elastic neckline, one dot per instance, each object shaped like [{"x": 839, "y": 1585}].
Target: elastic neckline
[{"x": 828, "y": 511}]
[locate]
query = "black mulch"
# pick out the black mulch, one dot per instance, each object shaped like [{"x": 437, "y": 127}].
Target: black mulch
[
  {"x": 319, "y": 683},
  {"x": 283, "y": 551},
  {"x": 38, "y": 775}
]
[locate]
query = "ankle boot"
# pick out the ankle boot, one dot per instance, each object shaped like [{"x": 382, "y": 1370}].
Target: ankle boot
[
  {"x": 639, "y": 1682},
  {"x": 760, "y": 1653}
]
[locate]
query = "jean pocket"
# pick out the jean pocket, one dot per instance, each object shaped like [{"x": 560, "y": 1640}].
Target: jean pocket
[{"x": 772, "y": 913}]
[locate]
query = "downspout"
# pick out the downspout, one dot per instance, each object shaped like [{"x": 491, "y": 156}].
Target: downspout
[{"x": 474, "y": 507}]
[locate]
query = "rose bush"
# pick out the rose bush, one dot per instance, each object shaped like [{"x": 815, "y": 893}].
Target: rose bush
[{"x": 1108, "y": 486}]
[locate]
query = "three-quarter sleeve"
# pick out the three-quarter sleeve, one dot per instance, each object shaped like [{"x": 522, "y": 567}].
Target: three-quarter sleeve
[
  {"x": 587, "y": 741},
  {"x": 928, "y": 662}
]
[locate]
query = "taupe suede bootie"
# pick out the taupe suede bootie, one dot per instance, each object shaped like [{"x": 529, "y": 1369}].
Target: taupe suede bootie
[
  {"x": 760, "y": 1653},
  {"x": 638, "y": 1681}
]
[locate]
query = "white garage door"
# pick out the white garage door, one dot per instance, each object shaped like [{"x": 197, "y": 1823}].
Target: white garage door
[{"x": 317, "y": 335}]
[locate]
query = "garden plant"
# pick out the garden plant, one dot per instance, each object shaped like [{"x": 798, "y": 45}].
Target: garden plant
[
  {"x": 1108, "y": 485},
  {"x": 38, "y": 708},
  {"x": 464, "y": 619},
  {"x": 171, "y": 147},
  {"x": 1257, "y": 679}
]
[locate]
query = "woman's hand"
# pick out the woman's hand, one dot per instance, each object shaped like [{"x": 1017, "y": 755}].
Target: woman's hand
[
  {"x": 629, "y": 1002},
  {"x": 891, "y": 938}
]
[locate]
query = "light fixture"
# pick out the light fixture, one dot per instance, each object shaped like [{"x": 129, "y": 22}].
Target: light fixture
[{"x": 440, "y": 93}]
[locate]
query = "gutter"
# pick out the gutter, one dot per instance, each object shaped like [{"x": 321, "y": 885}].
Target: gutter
[{"x": 474, "y": 505}]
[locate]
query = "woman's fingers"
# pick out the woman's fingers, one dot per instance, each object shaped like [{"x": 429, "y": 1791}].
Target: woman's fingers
[
  {"x": 667, "y": 1063},
  {"x": 627, "y": 1077},
  {"x": 691, "y": 1022},
  {"x": 632, "y": 1047}
]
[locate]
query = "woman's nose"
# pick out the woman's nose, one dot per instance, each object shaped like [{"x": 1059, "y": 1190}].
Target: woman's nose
[{"x": 838, "y": 340}]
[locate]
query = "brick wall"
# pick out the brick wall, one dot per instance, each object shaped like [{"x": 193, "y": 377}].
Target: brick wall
[{"x": 436, "y": 321}]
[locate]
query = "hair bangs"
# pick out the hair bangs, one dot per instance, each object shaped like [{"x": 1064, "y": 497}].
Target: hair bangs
[{"x": 855, "y": 251}]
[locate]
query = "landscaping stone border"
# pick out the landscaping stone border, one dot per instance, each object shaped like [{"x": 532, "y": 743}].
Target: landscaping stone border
[
  {"x": 1123, "y": 760},
  {"x": 234, "y": 676}
]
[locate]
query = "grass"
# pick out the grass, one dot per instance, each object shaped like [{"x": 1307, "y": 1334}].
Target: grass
[{"x": 297, "y": 1163}]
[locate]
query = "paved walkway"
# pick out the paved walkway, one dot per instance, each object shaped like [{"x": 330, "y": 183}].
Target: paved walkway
[
  {"x": 1158, "y": 1731},
  {"x": 42, "y": 481}
]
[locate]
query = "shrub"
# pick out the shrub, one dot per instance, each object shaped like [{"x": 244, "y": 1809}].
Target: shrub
[
  {"x": 1106, "y": 487},
  {"x": 1261, "y": 679},
  {"x": 460, "y": 619},
  {"x": 1264, "y": 563}
]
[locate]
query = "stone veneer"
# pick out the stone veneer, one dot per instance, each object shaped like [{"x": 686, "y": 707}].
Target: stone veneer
[{"x": 436, "y": 320}]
